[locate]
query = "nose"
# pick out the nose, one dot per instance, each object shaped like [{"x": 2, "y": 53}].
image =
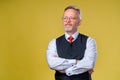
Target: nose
[{"x": 68, "y": 20}]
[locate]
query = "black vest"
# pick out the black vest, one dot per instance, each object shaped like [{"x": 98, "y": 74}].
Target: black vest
[{"x": 75, "y": 50}]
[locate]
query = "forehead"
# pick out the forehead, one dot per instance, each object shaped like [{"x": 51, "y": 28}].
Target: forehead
[{"x": 71, "y": 12}]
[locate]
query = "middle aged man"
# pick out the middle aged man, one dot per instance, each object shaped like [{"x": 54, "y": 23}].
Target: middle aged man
[{"x": 72, "y": 55}]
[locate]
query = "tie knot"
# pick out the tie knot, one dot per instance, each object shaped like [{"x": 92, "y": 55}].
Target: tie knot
[{"x": 70, "y": 39}]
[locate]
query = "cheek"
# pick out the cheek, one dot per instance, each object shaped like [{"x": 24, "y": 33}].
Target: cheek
[
  {"x": 77, "y": 23},
  {"x": 64, "y": 23},
  {"x": 74, "y": 23}
]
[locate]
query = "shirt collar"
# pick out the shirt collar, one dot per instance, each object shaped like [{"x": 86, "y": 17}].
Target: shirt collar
[{"x": 75, "y": 35}]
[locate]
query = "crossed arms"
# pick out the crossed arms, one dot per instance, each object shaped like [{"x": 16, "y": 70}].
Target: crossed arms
[{"x": 72, "y": 66}]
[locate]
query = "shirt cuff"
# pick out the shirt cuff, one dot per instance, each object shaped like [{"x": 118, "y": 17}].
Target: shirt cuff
[{"x": 69, "y": 71}]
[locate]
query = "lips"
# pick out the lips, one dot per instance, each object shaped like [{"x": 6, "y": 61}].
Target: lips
[{"x": 68, "y": 24}]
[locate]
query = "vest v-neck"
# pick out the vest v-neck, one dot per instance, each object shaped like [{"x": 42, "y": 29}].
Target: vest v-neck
[{"x": 73, "y": 41}]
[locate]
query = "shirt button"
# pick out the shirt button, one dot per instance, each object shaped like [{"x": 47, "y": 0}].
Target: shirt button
[{"x": 69, "y": 74}]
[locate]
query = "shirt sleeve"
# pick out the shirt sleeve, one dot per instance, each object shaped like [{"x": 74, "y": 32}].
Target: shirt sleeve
[
  {"x": 54, "y": 61},
  {"x": 87, "y": 62}
]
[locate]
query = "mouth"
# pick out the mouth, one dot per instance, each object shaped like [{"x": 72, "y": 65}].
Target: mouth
[{"x": 67, "y": 25}]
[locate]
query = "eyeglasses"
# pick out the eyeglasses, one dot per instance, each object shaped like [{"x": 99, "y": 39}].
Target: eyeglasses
[{"x": 69, "y": 18}]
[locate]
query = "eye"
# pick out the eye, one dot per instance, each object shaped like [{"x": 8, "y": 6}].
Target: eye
[
  {"x": 72, "y": 18},
  {"x": 64, "y": 18}
]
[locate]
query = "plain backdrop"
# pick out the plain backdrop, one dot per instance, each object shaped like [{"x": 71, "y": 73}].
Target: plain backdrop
[{"x": 27, "y": 26}]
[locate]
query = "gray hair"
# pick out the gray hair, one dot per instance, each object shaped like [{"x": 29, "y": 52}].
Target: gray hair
[{"x": 74, "y": 8}]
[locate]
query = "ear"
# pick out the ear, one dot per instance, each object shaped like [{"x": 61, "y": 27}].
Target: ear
[{"x": 79, "y": 23}]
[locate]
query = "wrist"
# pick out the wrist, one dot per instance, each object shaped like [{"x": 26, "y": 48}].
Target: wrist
[{"x": 77, "y": 61}]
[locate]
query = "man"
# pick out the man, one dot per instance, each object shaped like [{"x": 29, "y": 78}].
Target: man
[{"x": 73, "y": 54}]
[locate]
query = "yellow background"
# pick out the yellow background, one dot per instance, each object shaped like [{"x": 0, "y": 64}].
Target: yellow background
[{"x": 26, "y": 27}]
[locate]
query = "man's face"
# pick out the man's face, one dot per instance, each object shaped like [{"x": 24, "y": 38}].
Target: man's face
[{"x": 71, "y": 20}]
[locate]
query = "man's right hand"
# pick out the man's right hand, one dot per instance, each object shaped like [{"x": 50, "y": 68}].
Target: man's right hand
[{"x": 91, "y": 71}]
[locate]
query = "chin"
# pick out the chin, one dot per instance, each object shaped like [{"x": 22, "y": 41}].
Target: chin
[{"x": 68, "y": 29}]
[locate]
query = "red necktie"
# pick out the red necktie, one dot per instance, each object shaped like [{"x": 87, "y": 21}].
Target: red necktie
[{"x": 70, "y": 39}]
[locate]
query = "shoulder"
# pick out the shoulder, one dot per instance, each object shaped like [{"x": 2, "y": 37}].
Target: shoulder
[
  {"x": 91, "y": 42},
  {"x": 83, "y": 35},
  {"x": 60, "y": 37},
  {"x": 83, "y": 38},
  {"x": 53, "y": 41},
  {"x": 89, "y": 39}
]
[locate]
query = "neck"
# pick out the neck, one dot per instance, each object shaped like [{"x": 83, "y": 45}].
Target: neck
[{"x": 71, "y": 33}]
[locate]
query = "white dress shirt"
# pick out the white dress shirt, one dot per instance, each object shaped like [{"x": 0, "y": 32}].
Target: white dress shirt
[{"x": 69, "y": 65}]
